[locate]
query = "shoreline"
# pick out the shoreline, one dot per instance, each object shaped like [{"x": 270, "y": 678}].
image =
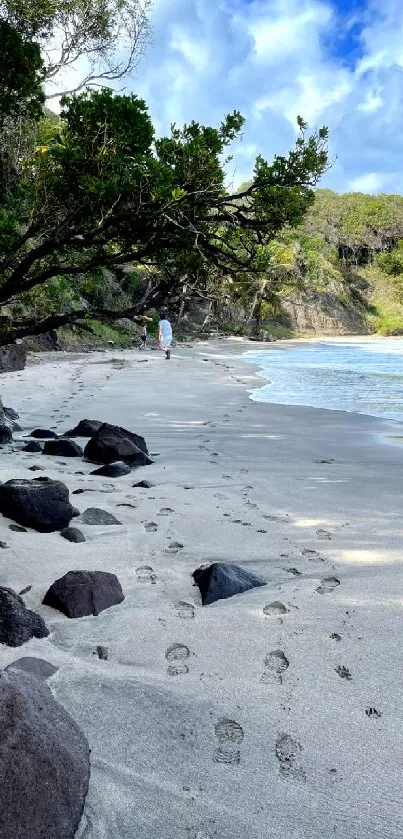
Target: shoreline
[{"x": 297, "y": 495}]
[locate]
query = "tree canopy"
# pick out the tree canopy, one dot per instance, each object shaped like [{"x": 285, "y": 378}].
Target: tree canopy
[
  {"x": 107, "y": 36},
  {"x": 103, "y": 193}
]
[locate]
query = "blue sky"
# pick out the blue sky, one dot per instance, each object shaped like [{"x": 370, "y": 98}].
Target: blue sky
[{"x": 336, "y": 62}]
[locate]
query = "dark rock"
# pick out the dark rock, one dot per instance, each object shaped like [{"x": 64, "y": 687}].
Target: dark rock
[
  {"x": 113, "y": 470},
  {"x": 85, "y": 428},
  {"x": 25, "y": 590},
  {"x": 35, "y": 666},
  {"x": 222, "y": 579},
  {"x": 17, "y": 528},
  {"x": 35, "y": 468},
  {"x": 62, "y": 448},
  {"x": 12, "y": 358},
  {"x": 6, "y": 435},
  {"x": 40, "y": 503},
  {"x": 12, "y": 416},
  {"x": 47, "y": 342},
  {"x": 72, "y": 534},
  {"x": 3, "y": 544},
  {"x": 76, "y": 512},
  {"x": 17, "y": 623},
  {"x": 144, "y": 485},
  {"x": 32, "y": 447},
  {"x": 94, "y": 515},
  {"x": 81, "y": 593},
  {"x": 44, "y": 762},
  {"x": 10, "y": 413},
  {"x": 43, "y": 434},
  {"x": 102, "y": 652},
  {"x": 112, "y": 443}
]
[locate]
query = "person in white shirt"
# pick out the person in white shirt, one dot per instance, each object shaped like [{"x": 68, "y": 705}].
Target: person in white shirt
[{"x": 165, "y": 336}]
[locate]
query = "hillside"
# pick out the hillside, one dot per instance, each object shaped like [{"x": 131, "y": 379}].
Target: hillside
[{"x": 340, "y": 272}]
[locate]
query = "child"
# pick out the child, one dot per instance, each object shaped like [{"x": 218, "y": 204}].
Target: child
[{"x": 143, "y": 337}]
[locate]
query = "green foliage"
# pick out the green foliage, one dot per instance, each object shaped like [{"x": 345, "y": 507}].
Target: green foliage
[
  {"x": 392, "y": 263},
  {"x": 99, "y": 193},
  {"x": 21, "y": 76},
  {"x": 108, "y": 34}
]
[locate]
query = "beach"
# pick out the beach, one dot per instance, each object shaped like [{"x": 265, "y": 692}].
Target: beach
[{"x": 309, "y": 500}]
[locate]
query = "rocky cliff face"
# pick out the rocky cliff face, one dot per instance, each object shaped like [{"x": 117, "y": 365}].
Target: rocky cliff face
[
  {"x": 12, "y": 357},
  {"x": 323, "y": 314}
]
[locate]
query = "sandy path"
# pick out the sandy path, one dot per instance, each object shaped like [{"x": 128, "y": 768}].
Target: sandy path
[{"x": 239, "y": 720}]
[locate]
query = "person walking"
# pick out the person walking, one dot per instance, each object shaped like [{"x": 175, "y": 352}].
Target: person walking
[{"x": 165, "y": 336}]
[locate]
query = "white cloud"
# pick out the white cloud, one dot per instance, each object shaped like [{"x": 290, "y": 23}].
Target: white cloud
[
  {"x": 274, "y": 59},
  {"x": 371, "y": 182}
]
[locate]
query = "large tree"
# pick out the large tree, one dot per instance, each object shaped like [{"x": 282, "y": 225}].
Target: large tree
[
  {"x": 100, "y": 40},
  {"x": 103, "y": 193}
]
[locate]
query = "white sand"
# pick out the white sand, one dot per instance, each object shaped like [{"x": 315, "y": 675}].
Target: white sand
[{"x": 228, "y": 469}]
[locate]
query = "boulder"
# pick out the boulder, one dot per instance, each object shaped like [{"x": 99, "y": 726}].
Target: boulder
[
  {"x": 35, "y": 666},
  {"x": 94, "y": 515},
  {"x": 12, "y": 358},
  {"x": 62, "y": 448},
  {"x": 10, "y": 413},
  {"x": 32, "y": 447},
  {"x": 43, "y": 434},
  {"x": 144, "y": 485},
  {"x": 81, "y": 593},
  {"x": 17, "y": 623},
  {"x": 85, "y": 428},
  {"x": 6, "y": 434},
  {"x": 40, "y": 503},
  {"x": 113, "y": 470},
  {"x": 222, "y": 579},
  {"x": 112, "y": 443},
  {"x": 44, "y": 762},
  {"x": 72, "y": 534}
]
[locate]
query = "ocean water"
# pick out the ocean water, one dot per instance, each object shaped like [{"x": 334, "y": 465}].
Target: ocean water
[{"x": 364, "y": 375}]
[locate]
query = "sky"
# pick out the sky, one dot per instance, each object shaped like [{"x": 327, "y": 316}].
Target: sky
[{"x": 337, "y": 63}]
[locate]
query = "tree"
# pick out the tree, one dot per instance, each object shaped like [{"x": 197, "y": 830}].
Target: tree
[
  {"x": 106, "y": 36},
  {"x": 104, "y": 194},
  {"x": 21, "y": 76}
]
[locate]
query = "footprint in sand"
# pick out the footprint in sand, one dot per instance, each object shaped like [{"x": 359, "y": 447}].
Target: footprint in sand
[
  {"x": 151, "y": 527},
  {"x": 146, "y": 574},
  {"x": 323, "y": 534},
  {"x": 288, "y": 751},
  {"x": 177, "y": 654},
  {"x": 174, "y": 547},
  {"x": 313, "y": 556},
  {"x": 344, "y": 672},
  {"x": 327, "y": 585},
  {"x": 275, "y": 664},
  {"x": 165, "y": 511},
  {"x": 275, "y": 610},
  {"x": 185, "y": 611},
  {"x": 229, "y": 735}
]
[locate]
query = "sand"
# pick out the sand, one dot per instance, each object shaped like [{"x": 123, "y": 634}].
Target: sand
[{"x": 216, "y": 737}]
